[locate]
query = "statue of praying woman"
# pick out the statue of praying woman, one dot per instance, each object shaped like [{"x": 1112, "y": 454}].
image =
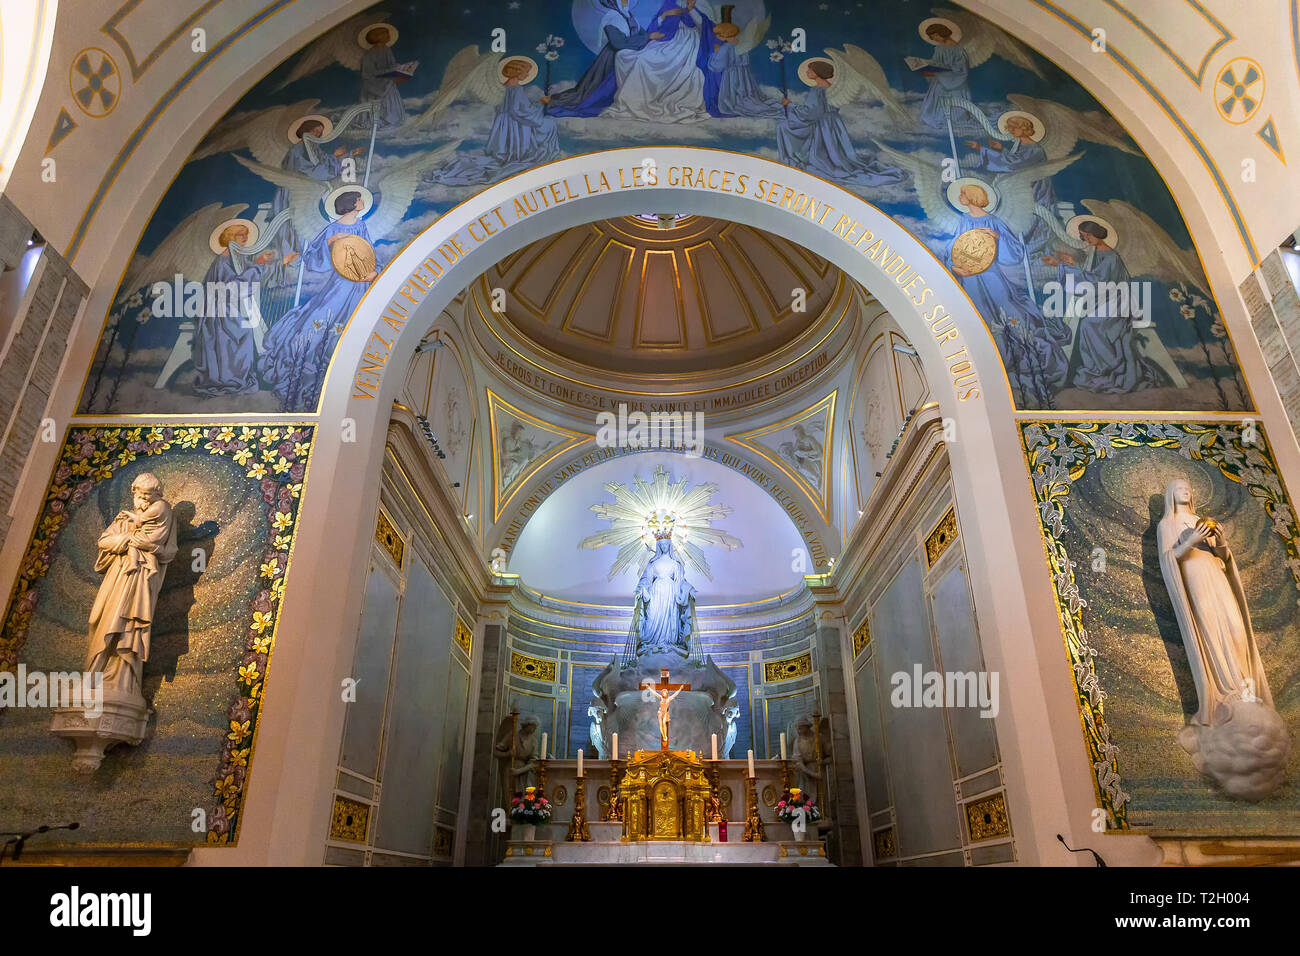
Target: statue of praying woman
[{"x": 1235, "y": 736}]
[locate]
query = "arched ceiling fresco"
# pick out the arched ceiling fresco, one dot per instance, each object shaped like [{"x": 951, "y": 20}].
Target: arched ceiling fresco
[{"x": 415, "y": 113}]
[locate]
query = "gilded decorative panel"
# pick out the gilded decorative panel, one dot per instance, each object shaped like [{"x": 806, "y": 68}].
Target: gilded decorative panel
[
  {"x": 534, "y": 668},
  {"x": 987, "y": 819},
  {"x": 389, "y": 539},
  {"x": 884, "y": 844},
  {"x": 943, "y": 535},
  {"x": 464, "y": 637},
  {"x": 1107, "y": 493},
  {"x": 351, "y": 820},
  {"x": 861, "y": 638},
  {"x": 787, "y": 668},
  {"x": 442, "y": 842}
]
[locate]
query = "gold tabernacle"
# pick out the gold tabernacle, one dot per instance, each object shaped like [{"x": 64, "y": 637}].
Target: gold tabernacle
[{"x": 664, "y": 796}]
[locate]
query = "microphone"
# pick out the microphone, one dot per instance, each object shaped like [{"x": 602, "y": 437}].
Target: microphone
[{"x": 1095, "y": 855}]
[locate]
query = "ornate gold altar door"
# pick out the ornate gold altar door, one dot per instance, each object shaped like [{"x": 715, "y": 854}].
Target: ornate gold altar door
[{"x": 664, "y": 793}]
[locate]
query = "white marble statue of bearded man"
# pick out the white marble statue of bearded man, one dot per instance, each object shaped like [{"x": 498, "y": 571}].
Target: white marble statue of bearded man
[{"x": 134, "y": 552}]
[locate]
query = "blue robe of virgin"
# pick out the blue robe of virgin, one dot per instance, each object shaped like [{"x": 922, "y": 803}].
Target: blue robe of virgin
[
  {"x": 1106, "y": 354},
  {"x": 596, "y": 88},
  {"x": 298, "y": 348},
  {"x": 1030, "y": 343},
  {"x": 224, "y": 349},
  {"x": 669, "y": 26},
  {"x": 814, "y": 138}
]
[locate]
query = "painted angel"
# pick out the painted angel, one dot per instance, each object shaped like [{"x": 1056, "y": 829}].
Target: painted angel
[
  {"x": 284, "y": 137},
  {"x": 522, "y": 135},
  {"x": 962, "y": 42},
  {"x": 813, "y": 136},
  {"x": 299, "y": 346},
  {"x": 998, "y": 282},
  {"x": 469, "y": 75},
  {"x": 224, "y": 345},
  {"x": 738, "y": 92},
  {"x": 1033, "y": 134},
  {"x": 1113, "y": 354}
]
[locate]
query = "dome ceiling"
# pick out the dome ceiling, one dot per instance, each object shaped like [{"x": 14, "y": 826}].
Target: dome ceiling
[{"x": 629, "y": 294}]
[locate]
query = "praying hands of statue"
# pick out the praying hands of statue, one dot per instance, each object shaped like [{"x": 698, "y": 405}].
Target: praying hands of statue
[{"x": 1197, "y": 534}]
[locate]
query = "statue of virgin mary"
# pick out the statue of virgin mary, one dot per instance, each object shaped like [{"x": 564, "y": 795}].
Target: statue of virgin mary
[
  {"x": 669, "y": 81},
  {"x": 1235, "y": 736},
  {"x": 664, "y": 602}
]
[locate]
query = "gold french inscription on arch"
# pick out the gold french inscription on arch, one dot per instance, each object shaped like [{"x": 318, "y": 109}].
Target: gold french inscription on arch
[{"x": 891, "y": 264}]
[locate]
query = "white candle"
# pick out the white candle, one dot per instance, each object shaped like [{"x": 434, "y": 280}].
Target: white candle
[
  {"x": 715, "y": 746},
  {"x": 613, "y": 742},
  {"x": 751, "y": 763},
  {"x": 543, "y": 745},
  {"x": 579, "y": 763},
  {"x": 783, "y": 746}
]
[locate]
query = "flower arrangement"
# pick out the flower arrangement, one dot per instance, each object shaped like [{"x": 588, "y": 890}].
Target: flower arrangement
[
  {"x": 795, "y": 805},
  {"x": 530, "y": 807}
]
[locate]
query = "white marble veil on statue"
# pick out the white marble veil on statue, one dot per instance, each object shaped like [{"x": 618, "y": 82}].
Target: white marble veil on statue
[
  {"x": 1213, "y": 618},
  {"x": 1235, "y": 737}
]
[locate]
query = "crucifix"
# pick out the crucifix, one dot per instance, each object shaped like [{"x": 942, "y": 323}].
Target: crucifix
[{"x": 662, "y": 688}]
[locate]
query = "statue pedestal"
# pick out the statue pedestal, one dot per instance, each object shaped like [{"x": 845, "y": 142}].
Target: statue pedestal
[
  {"x": 124, "y": 720},
  {"x": 694, "y": 715}
]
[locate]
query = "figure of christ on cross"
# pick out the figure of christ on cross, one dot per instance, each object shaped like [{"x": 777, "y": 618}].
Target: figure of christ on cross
[{"x": 661, "y": 689}]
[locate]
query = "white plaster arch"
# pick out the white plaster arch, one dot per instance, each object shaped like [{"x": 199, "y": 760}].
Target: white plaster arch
[{"x": 287, "y": 821}]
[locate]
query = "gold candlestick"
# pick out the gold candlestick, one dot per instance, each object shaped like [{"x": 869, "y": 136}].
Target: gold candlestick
[
  {"x": 785, "y": 776},
  {"x": 578, "y": 829},
  {"x": 753, "y": 823},
  {"x": 541, "y": 775},
  {"x": 614, "y": 809},
  {"x": 713, "y": 807}
]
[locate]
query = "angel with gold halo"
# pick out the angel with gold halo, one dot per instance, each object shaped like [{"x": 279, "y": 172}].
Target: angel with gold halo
[
  {"x": 522, "y": 135},
  {"x": 813, "y": 136},
  {"x": 985, "y": 223},
  {"x": 738, "y": 93}
]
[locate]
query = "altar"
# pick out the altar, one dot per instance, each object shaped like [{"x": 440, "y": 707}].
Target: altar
[{"x": 737, "y": 822}]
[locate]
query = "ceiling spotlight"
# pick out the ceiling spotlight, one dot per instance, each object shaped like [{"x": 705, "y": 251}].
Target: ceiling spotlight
[
  {"x": 428, "y": 345},
  {"x": 905, "y": 349}
]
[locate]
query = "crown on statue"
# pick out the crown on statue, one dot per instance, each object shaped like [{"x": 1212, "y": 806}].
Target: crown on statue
[{"x": 660, "y": 524}]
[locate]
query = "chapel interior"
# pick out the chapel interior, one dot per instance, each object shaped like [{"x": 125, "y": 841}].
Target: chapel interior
[{"x": 613, "y": 432}]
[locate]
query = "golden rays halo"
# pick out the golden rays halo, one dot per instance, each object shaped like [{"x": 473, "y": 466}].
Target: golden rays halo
[{"x": 635, "y": 511}]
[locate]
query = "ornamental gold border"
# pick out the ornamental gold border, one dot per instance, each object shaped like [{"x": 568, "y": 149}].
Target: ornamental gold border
[
  {"x": 1056, "y": 455},
  {"x": 574, "y": 440},
  {"x": 820, "y": 500},
  {"x": 96, "y": 453}
]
